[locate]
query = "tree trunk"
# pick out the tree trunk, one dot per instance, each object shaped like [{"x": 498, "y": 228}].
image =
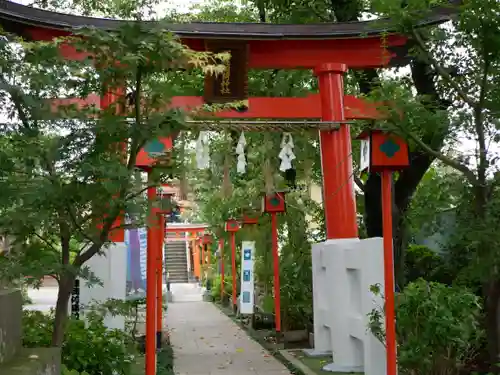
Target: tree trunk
[
  {"x": 65, "y": 288},
  {"x": 491, "y": 292}
]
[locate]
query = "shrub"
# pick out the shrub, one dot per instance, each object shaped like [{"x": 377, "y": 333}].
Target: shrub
[
  {"x": 438, "y": 328},
  {"x": 216, "y": 287},
  {"x": 422, "y": 262},
  {"x": 87, "y": 348},
  {"x": 165, "y": 361}
]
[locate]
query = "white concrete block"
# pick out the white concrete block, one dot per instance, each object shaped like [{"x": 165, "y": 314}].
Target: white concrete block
[
  {"x": 343, "y": 271},
  {"x": 111, "y": 269}
]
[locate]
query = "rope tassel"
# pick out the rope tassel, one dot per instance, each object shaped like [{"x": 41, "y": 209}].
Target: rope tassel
[
  {"x": 240, "y": 151},
  {"x": 202, "y": 151}
]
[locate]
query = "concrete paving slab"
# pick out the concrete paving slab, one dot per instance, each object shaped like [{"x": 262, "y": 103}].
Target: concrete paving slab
[{"x": 205, "y": 341}]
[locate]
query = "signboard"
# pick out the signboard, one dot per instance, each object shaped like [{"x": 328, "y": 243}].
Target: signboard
[
  {"x": 232, "y": 85},
  {"x": 247, "y": 277}
]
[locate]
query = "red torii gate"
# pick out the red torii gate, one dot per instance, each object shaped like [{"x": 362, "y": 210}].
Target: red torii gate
[{"x": 327, "y": 49}]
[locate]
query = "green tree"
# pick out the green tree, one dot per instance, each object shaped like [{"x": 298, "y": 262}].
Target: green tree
[
  {"x": 64, "y": 171},
  {"x": 465, "y": 61}
]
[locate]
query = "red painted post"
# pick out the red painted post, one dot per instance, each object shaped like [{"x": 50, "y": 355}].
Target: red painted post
[
  {"x": 222, "y": 289},
  {"x": 277, "y": 288},
  {"x": 151, "y": 290},
  {"x": 203, "y": 253},
  {"x": 233, "y": 264},
  {"x": 159, "y": 279},
  {"x": 390, "y": 318},
  {"x": 336, "y": 156}
]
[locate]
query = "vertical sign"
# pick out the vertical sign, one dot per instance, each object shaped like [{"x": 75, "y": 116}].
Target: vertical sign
[
  {"x": 247, "y": 279},
  {"x": 75, "y": 300}
]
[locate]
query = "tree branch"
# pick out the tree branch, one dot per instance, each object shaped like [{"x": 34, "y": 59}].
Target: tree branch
[
  {"x": 45, "y": 241},
  {"x": 440, "y": 69},
  {"x": 469, "y": 174}
]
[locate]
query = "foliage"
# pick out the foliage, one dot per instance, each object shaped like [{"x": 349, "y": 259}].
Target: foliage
[
  {"x": 464, "y": 59},
  {"x": 438, "y": 328},
  {"x": 296, "y": 269},
  {"x": 64, "y": 181},
  {"x": 128, "y": 308},
  {"x": 165, "y": 361},
  {"x": 422, "y": 262},
  {"x": 216, "y": 287},
  {"x": 89, "y": 348}
]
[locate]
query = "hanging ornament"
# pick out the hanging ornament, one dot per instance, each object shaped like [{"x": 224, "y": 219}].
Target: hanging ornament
[
  {"x": 286, "y": 154},
  {"x": 240, "y": 151},
  {"x": 202, "y": 151}
]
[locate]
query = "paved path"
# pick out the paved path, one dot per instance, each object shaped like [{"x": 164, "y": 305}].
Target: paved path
[{"x": 207, "y": 342}]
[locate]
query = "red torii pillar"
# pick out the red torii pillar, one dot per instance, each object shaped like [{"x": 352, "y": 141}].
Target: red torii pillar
[{"x": 339, "y": 199}]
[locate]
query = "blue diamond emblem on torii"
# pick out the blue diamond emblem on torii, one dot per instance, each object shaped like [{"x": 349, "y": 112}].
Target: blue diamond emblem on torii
[
  {"x": 389, "y": 148},
  {"x": 154, "y": 148}
]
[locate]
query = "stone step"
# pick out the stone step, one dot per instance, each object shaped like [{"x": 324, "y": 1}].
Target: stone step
[
  {"x": 177, "y": 257},
  {"x": 176, "y": 269},
  {"x": 177, "y": 263},
  {"x": 176, "y": 274},
  {"x": 180, "y": 256},
  {"x": 174, "y": 255},
  {"x": 179, "y": 281}
]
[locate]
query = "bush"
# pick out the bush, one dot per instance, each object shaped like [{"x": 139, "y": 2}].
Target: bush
[
  {"x": 438, "y": 328},
  {"x": 88, "y": 348},
  {"x": 422, "y": 262},
  {"x": 216, "y": 287},
  {"x": 165, "y": 361}
]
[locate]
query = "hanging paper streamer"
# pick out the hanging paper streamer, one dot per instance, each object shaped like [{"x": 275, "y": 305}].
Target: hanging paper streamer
[
  {"x": 286, "y": 154},
  {"x": 240, "y": 151},
  {"x": 202, "y": 151}
]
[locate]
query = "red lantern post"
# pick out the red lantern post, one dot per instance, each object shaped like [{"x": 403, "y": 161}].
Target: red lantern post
[
  {"x": 274, "y": 204},
  {"x": 207, "y": 240},
  {"x": 232, "y": 226},
  {"x": 151, "y": 270},
  {"x": 164, "y": 203},
  {"x": 222, "y": 271},
  {"x": 385, "y": 153}
]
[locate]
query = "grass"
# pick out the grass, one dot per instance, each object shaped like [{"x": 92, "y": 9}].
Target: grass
[
  {"x": 164, "y": 360},
  {"x": 138, "y": 367},
  {"x": 316, "y": 363}
]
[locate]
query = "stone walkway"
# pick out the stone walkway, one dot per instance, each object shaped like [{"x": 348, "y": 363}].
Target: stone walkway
[{"x": 207, "y": 342}]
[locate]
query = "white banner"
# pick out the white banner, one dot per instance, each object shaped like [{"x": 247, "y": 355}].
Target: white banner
[{"x": 247, "y": 279}]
